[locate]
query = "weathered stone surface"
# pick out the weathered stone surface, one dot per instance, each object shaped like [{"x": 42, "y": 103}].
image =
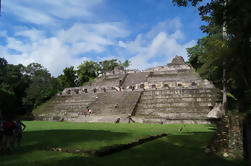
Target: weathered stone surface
[
  {"x": 228, "y": 139},
  {"x": 165, "y": 94},
  {"x": 217, "y": 112}
]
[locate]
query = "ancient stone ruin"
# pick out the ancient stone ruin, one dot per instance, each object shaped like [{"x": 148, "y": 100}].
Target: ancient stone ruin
[{"x": 166, "y": 94}]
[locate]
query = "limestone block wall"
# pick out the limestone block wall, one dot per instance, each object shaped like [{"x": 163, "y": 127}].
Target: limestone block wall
[{"x": 176, "y": 104}]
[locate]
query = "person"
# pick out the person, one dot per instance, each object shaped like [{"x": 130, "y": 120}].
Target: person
[
  {"x": 1, "y": 130},
  {"x": 18, "y": 132},
  {"x": 130, "y": 118},
  {"x": 89, "y": 111},
  {"x": 8, "y": 127},
  {"x": 85, "y": 112},
  {"x": 117, "y": 121}
]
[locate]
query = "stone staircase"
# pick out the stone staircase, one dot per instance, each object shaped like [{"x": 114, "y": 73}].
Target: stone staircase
[
  {"x": 178, "y": 105},
  {"x": 67, "y": 106},
  {"x": 106, "y": 107},
  {"x": 115, "y": 103}
]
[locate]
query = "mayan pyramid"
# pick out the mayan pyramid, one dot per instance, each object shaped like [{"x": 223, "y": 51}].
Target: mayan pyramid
[{"x": 166, "y": 94}]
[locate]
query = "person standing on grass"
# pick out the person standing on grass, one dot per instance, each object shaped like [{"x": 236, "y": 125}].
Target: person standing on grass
[
  {"x": 1, "y": 130},
  {"x": 130, "y": 118},
  {"x": 18, "y": 132},
  {"x": 8, "y": 127}
]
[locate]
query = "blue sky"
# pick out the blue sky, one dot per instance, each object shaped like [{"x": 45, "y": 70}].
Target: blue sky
[{"x": 64, "y": 33}]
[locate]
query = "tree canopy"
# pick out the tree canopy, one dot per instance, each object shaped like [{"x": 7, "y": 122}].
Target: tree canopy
[{"x": 234, "y": 50}]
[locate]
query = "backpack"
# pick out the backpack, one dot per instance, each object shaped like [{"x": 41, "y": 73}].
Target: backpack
[{"x": 8, "y": 125}]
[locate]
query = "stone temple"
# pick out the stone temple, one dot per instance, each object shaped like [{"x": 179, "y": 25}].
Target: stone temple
[{"x": 166, "y": 94}]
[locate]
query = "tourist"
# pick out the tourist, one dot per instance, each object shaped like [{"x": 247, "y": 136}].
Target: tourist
[
  {"x": 18, "y": 132},
  {"x": 117, "y": 121},
  {"x": 85, "y": 112},
  {"x": 1, "y": 130},
  {"x": 8, "y": 127},
  {"x": 130, "y": 118},
  {"x": 89, "y": 111}
]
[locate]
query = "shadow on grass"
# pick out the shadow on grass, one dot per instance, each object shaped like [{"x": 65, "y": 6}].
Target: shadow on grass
[
  {"x": 173, "y": 150},
  {"x": 78, "y": 139}
]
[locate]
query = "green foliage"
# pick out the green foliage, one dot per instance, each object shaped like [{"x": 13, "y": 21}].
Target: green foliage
[
  {"x": 109, "y": 65},
  {"x": 211, "y": 51},
  {"x": 68, "y": 78},
  {"x": 87, "y": 71},
  {"x": 125, "y": 64},
  {"x": 186, "y": 2},
  {"x": 8, "y": 101},
  {"x": 12, "y": 88},
  {"x": 41, "y": 87}
]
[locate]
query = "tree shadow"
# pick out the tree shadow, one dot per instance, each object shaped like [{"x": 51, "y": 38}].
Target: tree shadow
[
  {"x": 68, "y": 139},
  {"x": 174, "y": 150}
]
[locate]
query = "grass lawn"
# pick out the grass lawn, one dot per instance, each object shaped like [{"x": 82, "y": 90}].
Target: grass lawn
[{"x": 186, "y": 148}]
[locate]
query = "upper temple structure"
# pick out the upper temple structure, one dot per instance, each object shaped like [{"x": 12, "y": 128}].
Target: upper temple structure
[{"x": 166, "y": 94}]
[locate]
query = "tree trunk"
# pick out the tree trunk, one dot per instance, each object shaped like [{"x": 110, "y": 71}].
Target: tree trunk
[{"x": 224, "y": 99}]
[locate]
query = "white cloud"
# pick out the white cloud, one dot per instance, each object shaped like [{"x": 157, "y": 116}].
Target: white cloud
[
  {"x": 32, "y": 34},
  {"x": 45, "y": 40},
  {"x": 62, "y": 49},
  {"x": 158, "y": 46},
  {"x": 46, "y": 12}
]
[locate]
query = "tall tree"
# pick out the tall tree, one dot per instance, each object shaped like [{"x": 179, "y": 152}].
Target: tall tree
[
  {"x": 236, "y": 17},
  {"x": 88, "y": 70},
  {"x": 12, "y": 87},
  {"x": 41, "y": 88},
  {"x": 125, "y": 64},
  {"x": 108, "y": 65},
  {"x": 69, "y": 78}
]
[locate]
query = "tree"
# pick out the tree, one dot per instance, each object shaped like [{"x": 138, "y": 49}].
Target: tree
[
  {"x": 236, "y": 48},
  {"x": 69, "y": 78},
  {"x": 108, "y": 65},
  {"x": 227, "y": 48},
  {"x": 88, "y": 70},
  {"x": 12, "y": 88},
  {"x": 125, "y": 64},
  {"x": 41, "y": 87}
]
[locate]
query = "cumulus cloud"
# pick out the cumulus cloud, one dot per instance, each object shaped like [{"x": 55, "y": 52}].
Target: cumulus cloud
[
  {"x": 158, "y": 46},
  {"x": 49, "y": 12},
  {"x": 46, "y": 40},
  {"x": 58, "y": 35},
  {"x": 62, "y": 49}
]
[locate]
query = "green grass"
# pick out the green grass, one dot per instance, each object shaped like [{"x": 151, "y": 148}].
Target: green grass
[{"x": 186, "y": 148}]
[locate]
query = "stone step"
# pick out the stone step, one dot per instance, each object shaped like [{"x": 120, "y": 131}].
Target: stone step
[
  {"x": 172, "y": 116},
  {"x": 176, "y": 100},
  {"x": 178, "y": 91},
  {"x": 201, "y": 95},
  {"x": 173, "y": 109},
  {"x": 175, "y": 104},
  {"x": 80, "y": 106},
  {"x": 72, "y": 102},
  {"x": 174, "y": 121},
  {"x": 116, "y": 102},
  {"x": 74, "y": 98}
]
